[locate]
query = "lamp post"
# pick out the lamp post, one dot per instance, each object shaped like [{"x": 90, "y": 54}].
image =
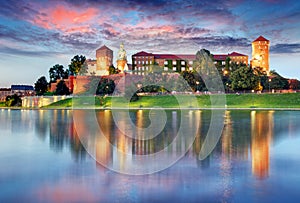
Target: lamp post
[
  {"x": 252, "y": 98},
  {"x": 197, "y": 86},
  {"x": 269, "y": 84},
  {"x": 227, "y": 88}
]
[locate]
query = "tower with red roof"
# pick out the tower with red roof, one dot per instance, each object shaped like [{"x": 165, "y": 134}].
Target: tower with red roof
[{"x": 260, "y": 53}]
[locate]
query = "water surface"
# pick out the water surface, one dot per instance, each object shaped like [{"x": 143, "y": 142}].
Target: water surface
[{"x": 42, "y": 159}]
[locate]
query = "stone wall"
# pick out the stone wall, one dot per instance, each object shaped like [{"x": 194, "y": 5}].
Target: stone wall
[{"x": 39, "y": 101}]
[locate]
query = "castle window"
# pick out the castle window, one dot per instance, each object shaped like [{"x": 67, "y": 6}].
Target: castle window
[
  {"x": 174, "y": 68},
  {"x": 182, "y": 62},
  {"x": 166, "y": 62},
  {"x": 174, "y": 62},
  {"x": 165, "y": 68}
]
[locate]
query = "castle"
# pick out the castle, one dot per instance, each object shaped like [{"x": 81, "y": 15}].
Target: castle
[{"x": 142, "y": 61}]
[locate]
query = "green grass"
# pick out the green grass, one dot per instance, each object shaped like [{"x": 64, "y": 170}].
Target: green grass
[
  {"x": 291, "y": 100},
  {"x": 2, "y": 104}
]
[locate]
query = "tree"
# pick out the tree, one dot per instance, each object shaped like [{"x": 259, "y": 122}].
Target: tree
[
  {"x": 277, "y": 81},
  {"x": 13, "y": 100},
  {"x": 112, "y": 70},
  {"x": 105, "y": 86},
  {"x": 77, "y": 63},
  {"x": 57, "y": 72},
  {"x": 41, "y": 86},
  {"x": 194, "y": 80},
  {"x": 244, "y": 79},
  {"x": 62, "y": 89}
]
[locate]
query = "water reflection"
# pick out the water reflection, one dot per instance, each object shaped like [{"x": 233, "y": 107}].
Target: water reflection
[
  {"x": 261, "y": 136},
  {"x": 46, "y": 146}
]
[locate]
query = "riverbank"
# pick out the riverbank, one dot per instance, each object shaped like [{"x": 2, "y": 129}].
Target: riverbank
[
  {"x": 288, "y": 101},
  {"x": 233, "y": 101}
]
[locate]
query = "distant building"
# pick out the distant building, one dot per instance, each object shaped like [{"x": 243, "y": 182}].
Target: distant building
[
  {"x": 92, "y": 66},
  {"x": 143, "y": 61},
  {"x": 22, "y": 90},
  {"x": 4, "y": 92},
  {"x": 234, "y": 57},
  {"x": 260, "y": 53}
]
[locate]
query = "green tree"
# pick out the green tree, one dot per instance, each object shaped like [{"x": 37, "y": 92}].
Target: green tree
[
  {"x": 112, "y": 70},
  {"x": 13, "y": 100},
  {"x": 77, "y": 65},
  {"x": 57, "y": 72},
  {"x": 194, "y": 80},
  {"x": 61, "y": 88},
  {"x": 277, "y": 81},
  {"x": 244, "y": 79},
  {"x": 41, "y": 86},
  {"x": 105, "y": 86}
]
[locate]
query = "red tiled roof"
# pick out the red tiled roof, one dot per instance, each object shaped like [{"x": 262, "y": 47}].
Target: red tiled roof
[
  {"x": 167, "y": 56},
  {"x": 220, "y": 57},
  {"x": 175, "y": 56},
  {"x": 104, "y": 47},
  {"x": 187, "y": 56},
  {"x": 143, "y": 53},
  {"x": 260, "y": 38},
  {"x": 236, "y": 54}
]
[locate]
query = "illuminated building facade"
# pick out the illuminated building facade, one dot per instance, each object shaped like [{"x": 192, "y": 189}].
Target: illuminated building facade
[
  {"x": 104, "y": 57},
  {"x": 100, "y": 65},
  {"x": 235, "y": 57},
  {"x": 260, "y": 53},
  {"x": 142, "y": 62}
]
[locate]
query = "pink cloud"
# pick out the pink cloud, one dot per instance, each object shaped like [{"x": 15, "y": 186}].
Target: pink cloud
[{"x": 66, "y": 18}]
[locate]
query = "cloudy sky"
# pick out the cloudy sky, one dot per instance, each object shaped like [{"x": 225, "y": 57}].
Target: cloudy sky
[{"x": 35, "y": 35}]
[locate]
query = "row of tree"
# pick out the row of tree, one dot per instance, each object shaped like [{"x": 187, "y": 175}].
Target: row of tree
[{"x": 77, "y": 66}]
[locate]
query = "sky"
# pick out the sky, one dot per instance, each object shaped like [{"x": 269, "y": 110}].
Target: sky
[{"x": 35, "y": 35}]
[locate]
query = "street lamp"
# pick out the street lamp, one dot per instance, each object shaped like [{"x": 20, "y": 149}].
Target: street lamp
[
  {"x": 269, "y": 84},
  {"x": 252, "y": 98},
  {"x": 197, "y": 84}
]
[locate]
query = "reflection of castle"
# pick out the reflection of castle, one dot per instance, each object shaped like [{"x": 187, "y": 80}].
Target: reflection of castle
[{"x": 261, "y": 135}]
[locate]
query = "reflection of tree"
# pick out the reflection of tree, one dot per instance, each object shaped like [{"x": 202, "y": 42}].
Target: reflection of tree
[
  {"x": 62, "y": 134},
  {"x": 42, "y": 123},
  {"x": 58, "y": 130}
]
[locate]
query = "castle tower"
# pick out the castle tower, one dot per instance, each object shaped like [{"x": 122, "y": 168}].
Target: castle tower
[
  {"x": 104, "y": 57},
  {"x": 260, "y": 53}
]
